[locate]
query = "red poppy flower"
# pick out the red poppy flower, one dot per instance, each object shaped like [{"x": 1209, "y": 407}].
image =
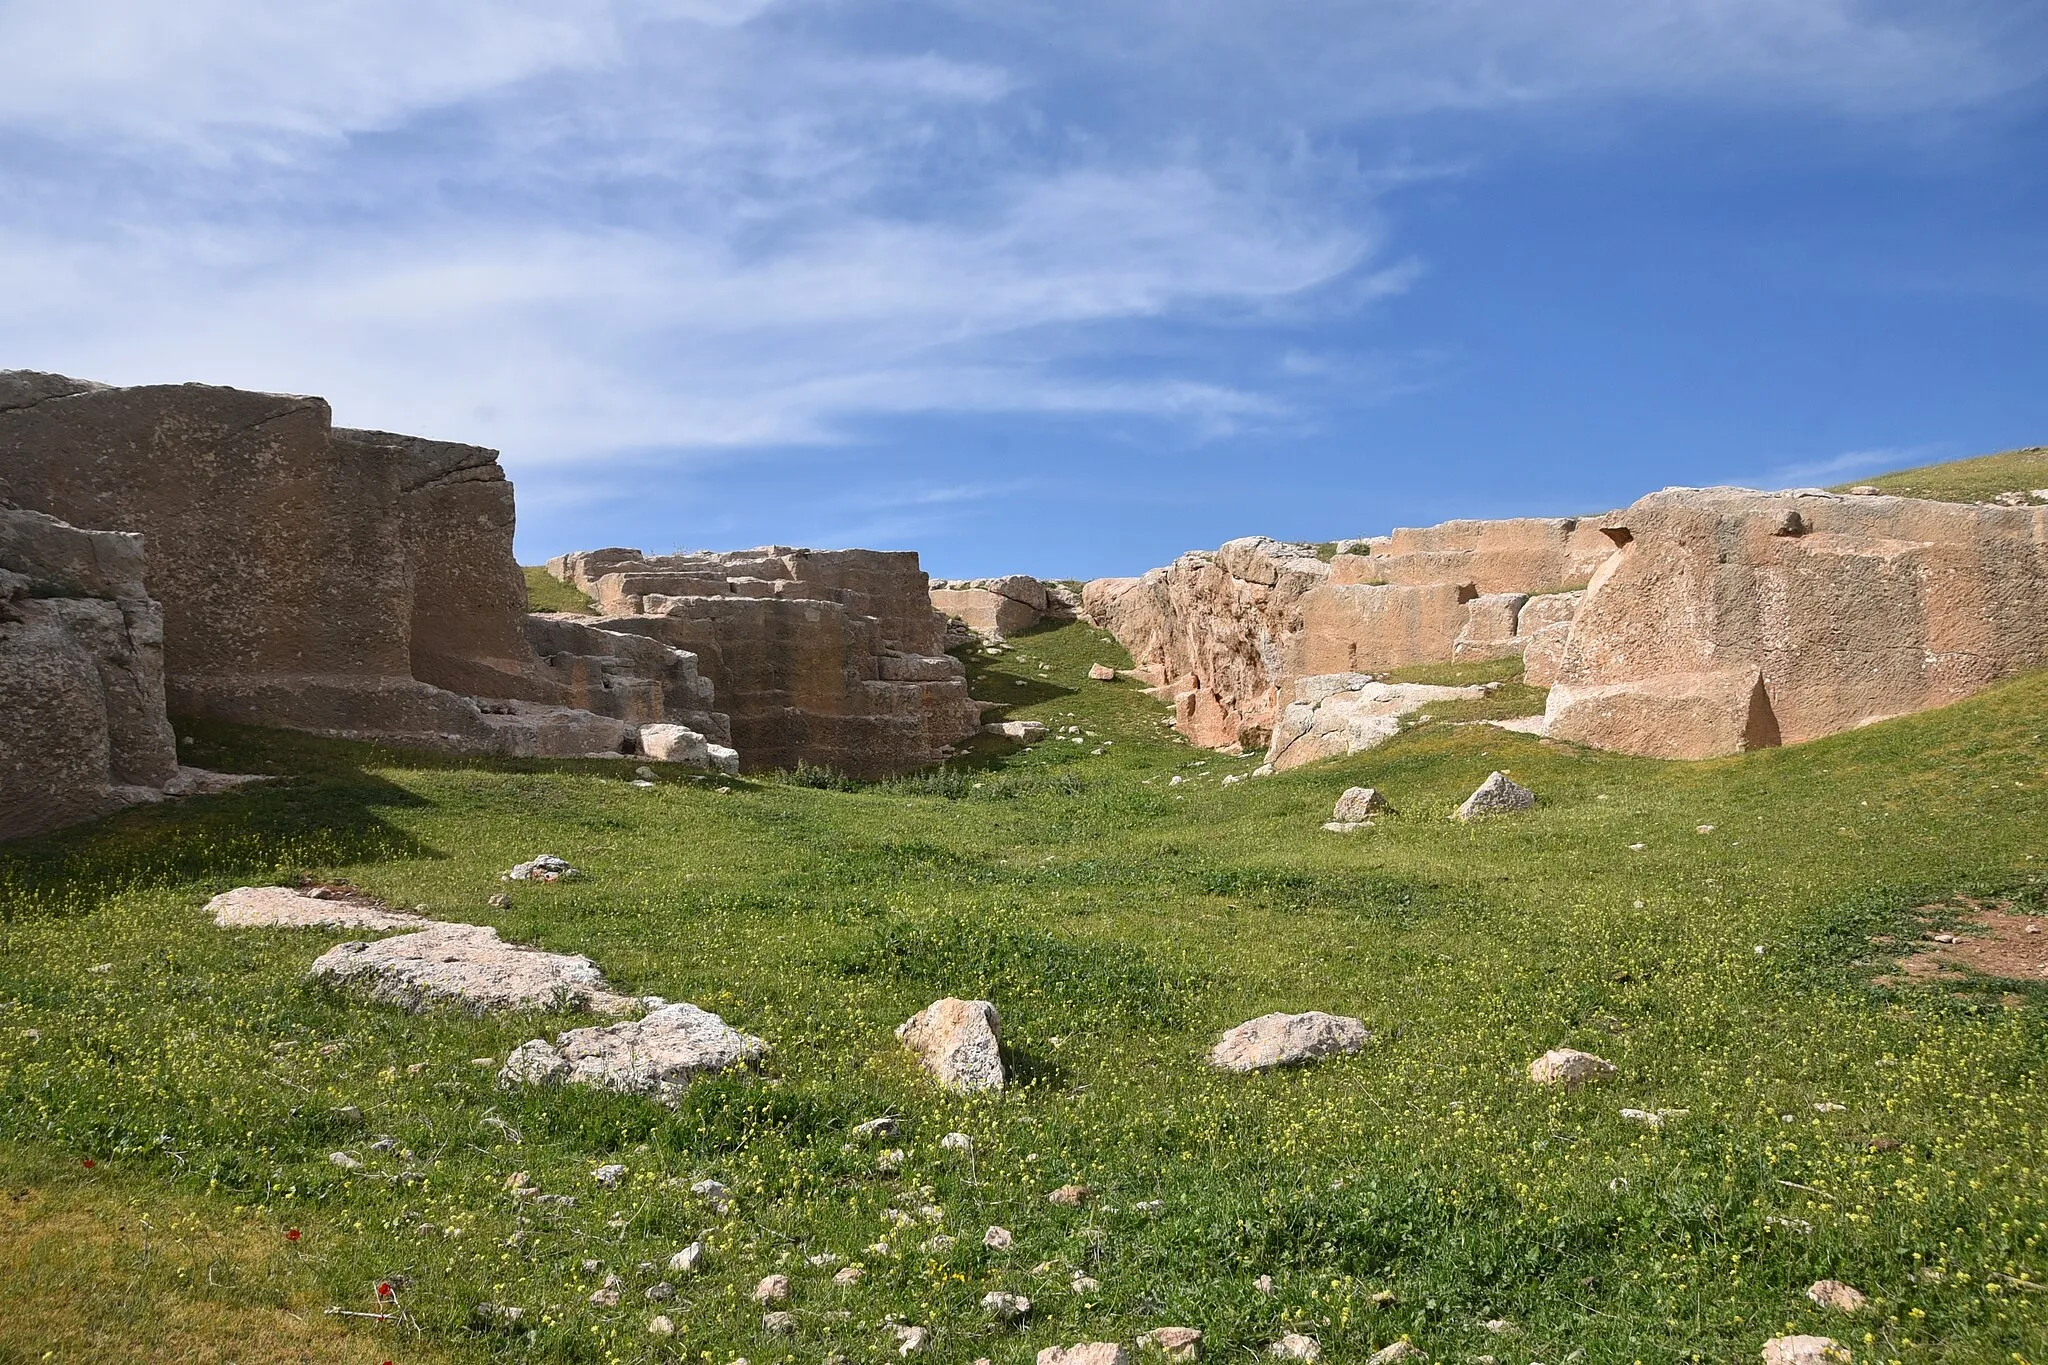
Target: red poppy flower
[
  {"x": 90, "y": 1163},
  {"x": 291, "y": 1234},
  {"x": 383, "y": 1291}
]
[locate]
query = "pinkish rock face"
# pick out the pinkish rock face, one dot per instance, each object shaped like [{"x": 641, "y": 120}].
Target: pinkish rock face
[
  {"x": 1734, "y": 620},
  {"x": 958, "y": 1043}
]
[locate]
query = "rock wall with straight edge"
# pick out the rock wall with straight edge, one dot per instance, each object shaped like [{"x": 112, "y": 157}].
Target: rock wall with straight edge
[
  {"x": 83, "y": 729},
  {"x": 1734, "y": 619},
  {"x": 828, "y": 657}
]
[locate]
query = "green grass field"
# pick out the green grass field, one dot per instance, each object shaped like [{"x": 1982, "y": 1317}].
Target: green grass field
[
  {"x": 1975, "y": 480},
  {"x": 545, "y": 592},
  {"x": 1891, "y": 1137}
]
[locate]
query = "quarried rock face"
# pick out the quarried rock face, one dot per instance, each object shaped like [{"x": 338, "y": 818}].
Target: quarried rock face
[
  {"x": 996, "y": 607},
  {"x": 1734, "y": 620},
  {"x": 624, "y": 675},
  {"x": 83, "y": 729},
  {"x": 826, "y": 657}
]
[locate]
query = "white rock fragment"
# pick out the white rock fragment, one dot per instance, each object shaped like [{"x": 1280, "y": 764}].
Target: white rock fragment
[
  {"x": 344, "y": 1161},
  {"x": 958, "y": 1042},
  {"x": 1359, "y": 804},
  {"x": 1295, "y": 1346},
  {"x": 772, "y": 1289},
  {"x": 1569, "y": 1068},
  {"x": 661, "y": 1327},
  {"x": 284, "y": 907},
  {"x": 468, "y": 965},
  {"x": 912, "y": 1341},
  {"x": 1392, "y": 1355},
  {"x": 779, "y": 1323},
  {"x": 1274, "y": 1040},
  {"x": 544, "y": 868},
  {"x": 609, "y": 1176},
  {"x": 657, "y": 1056},
  {"x": 1006, "y": 1307},
  {"x": 997, "y": 1239},
  {"x": 686, "y": 1261},
  {"x": 956, "y": 1142}
]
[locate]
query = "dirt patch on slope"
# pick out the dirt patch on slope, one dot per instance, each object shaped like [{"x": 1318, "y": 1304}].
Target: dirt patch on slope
[{"x": 1988, "y": 939}]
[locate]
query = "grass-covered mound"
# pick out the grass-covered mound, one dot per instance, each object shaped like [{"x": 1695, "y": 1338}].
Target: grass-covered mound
[
  {"x": 545, "y": 592},
  {"x": 1973, "y": 480},
  {"x": 1891, "y": 1136}
]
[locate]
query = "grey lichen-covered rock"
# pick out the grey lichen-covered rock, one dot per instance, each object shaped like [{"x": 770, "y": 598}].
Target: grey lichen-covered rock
[
  {"x": 468, "y": 965},
  {"x": 1274, "y": 1040},
  {"x": 1295, "y": 1346},
  {"x": 284, "y": 907},
  {"x": 1569, "y": 1068},
  {"x": 1359, "y": 803},
  {"x": 959, "y": 1043},
  {"x": 657, "y": 1056},
  {"x": 1497, "y": 795}
]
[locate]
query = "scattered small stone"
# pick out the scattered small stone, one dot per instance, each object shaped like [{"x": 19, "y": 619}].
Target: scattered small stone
[
  {"x": 1703, "y": 829},
  {"x": 609, "y": 1176},
  {"x": 1264, "y": 1284},
  {"x": 938, "y": 1244},
  {"x": 592, "y": 1267},
  {"x": 912, "y": 1341},
  {"x": 714, "y": 1194},
  {"x": 772, "y": 1289},
  {"x": 1006, "y": 1307},
  {"x": 1102, "y": 673},
  {"x": 661, "y": 1327},
  {"x": 608, "y": 1295},
  {"x": 645, "y": 773},
  {"x": 1653, "y": 1118},
  {"x": 997, "y": 1239},
  {"x": 1148, "y": 1206},
  {"x": 1295, "y": 1346},
  {"x": 1069, "y": 1196},
  {"x": 1497, "y": 795},
  {"x": 661, "y": 1292},
  {"x": 1086, "y": 1353},
  {"x": 1175, "y": 1343},
  {"x": 545, "y": 868},
  {"x": 1840, "y": 1297},
  {"x": 876, "y": 1128},
  {"x": 779, "y": 1324},
  {"x": 956, "y": 1142},
  {"x": 891, "y": 1161},
  {"x": 1084, "y": 1284},
  {"x": 1274, "y": 1040},
  {"x": 1391, "y": 1355},
  {"x": 1345, "y": 826},
  {"x": 1804, "y": 1350},
  {"x": 1500, "y": 1327},
  {"x": 824, "y": 1260},
  {"x": 850, "y": 1275},
  {"x": 501, "y": 901},
  {"x": 1830, "y": 1107},
  {"x": 1569, "y": 1068},
  {"x": 344, "y": 1161}
]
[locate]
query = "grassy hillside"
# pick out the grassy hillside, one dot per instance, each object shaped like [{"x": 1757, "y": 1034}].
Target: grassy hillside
[
  {"x": 1975, "y": 480},
  {"x": 545, "y": 592},
  {"x": 1725, "y": 932}
]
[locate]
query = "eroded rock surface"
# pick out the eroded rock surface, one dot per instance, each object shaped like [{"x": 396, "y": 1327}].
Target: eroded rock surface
[
  {"x": 285, "y": 907},
  {"x": 1275, "y": 1040},
  {"x": 657, "y": 1056},
  {"x": 997, "y": 607},
  {"x": 468, "y": 965},
  {"x": 959, "y": 1043},
  {"x": 1336, "y": 714}
]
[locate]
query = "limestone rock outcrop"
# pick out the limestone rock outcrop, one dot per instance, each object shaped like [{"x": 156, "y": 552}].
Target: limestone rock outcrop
[
  {"x": 828, "y": 657},
  {"x": 656, "y": 1056},
  {"x": 1336, "y": 714},
  {"x": 83, "y": 729},
  {"x": 351, "y": 583},
  {"x": 1733, "y": 619},
  {"x": 997, "y": 607}
]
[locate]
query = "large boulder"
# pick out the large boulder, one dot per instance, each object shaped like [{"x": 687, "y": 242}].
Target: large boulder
[
  {"x": 467, "y": 965},
  {"x": 1332, "y": 715},
  {"x": 1275, "y": 1040},
  {"x": 996, "y": 607},
  {"x": 83, "y": 728},
  {"x": 656, "y": 1056},
  {"x": 1733, "y": 619},
  {"x": 958, "y": 1042}
]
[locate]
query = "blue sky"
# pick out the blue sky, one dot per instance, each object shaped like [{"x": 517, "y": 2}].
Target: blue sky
[{"x": 1048, "y": 286}]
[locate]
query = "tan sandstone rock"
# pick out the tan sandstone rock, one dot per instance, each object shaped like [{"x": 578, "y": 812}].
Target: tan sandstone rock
[
  {"x": 1175, "y": 1343},
  {"x": 1805, "y": 1350},
  {"x": 1842, "y": 1298},
  {"x": 1086, "y": 1353},
  {"x": 1735, "y": 620},
  {"x": 1569, "y": 1068},
  {"x": 958, "y": 1042},
  {"x": 1276, "y": 1040}
]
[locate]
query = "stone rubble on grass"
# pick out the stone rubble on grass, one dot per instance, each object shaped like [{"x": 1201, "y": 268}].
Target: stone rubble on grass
[
  {"x": 1840, "y": 1297},
  {"x": 848, "y": 1275},
  {"x": 284, "y": 907},
  {"x": 956, "y": 1142},
  {"x": 1359, "y": 804},
  {"x": 656, "y": 1056},
  {"x": 544, "y": 868},
  {"x": 1175, "y": 1343},
  {"x": 681, "y": 745},
  {"x": 1102, "y": 672},
  {"x": 607, "y": 1295},
  {"x": 1274, "y": 1040},
  {"x": 344, "y": 1161},
  {"x": 1653, "y": 1118},
  {"x": 1804, "y": 1350},
  {"x": 1006, "y": 1307},
  {"x": 779, "y": 1324},
  {"x": 501, "y": 901},
  {"x": 772, "y": 1289},
  {"x": 912, "y": 1341},
  {"x": 1497, "y": 795},
  {"x": 1394, "y": 1354},
  {"x": 686, "y": 1261},
  {"x": 958, "y": 1042},
  {"x": 1569, "y": 1068},
  {"x": 660, "y": 1292},
  {"x": 997, "y": 1238},
  {"x": 1085, "y": 1353},
  {"x": 876, "y": 1128},
  {"x": 467, "y": 964},
  {"x": 1295, "y": 1346},
  {"x": 661, "y": 1326},
  {"x": 1023, "y": 731},
  {"x": 1345, "y": 826},
  {"x": 1069, "y": 1196},
  {"x": 609, "y": 1176}
]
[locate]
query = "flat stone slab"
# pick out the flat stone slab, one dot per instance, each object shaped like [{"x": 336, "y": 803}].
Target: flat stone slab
[
  {"x": 657, "y": 1056},
  {"x": 468, "y": 965},
  {"x": 285, "y": 907},
  {"x": 1273, "y": 1040}
]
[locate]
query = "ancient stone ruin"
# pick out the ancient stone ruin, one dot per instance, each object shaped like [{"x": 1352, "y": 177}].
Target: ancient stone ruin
[
  {"x": 829, "y": 657},
  {"x": 350, "y": 583},
  {"x": 995, "y": 608}
]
